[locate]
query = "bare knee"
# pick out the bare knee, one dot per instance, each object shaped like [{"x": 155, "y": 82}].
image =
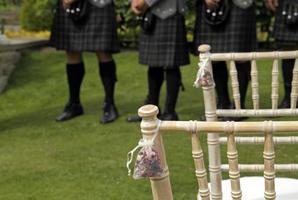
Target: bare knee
[
  {"x": 104, "y": 57},
  {"x": 73, "y": 57}
]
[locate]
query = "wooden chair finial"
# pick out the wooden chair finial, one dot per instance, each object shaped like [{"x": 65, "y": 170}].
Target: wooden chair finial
[
  {"x": 161, "y": 186},
  {"x": 204, "y": 48},
  {"x": 148, "y": 111}
]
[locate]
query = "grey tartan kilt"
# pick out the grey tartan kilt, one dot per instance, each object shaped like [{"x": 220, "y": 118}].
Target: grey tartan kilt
[
  {"x": 97, "y": 33},
  {"x": 284, "y": 35},
  {"x": 167, "y": 46},
  {"x": 236, "y": 34}
]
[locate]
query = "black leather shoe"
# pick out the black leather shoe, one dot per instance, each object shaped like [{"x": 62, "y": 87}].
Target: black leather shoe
[
  {"x": 71, "y": 110},
  {"x": 169, "y": 116},
  {"x": 110, "y": 113},
  {"x": 286, "y": 103},
  {"x": 134, "y": 118}
]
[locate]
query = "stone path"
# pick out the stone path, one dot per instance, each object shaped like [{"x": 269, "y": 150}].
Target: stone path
[
  {"x": 10, "y": 53},
  {"x": 10, "y": 49},
  {"x": 20, "y": 43}
]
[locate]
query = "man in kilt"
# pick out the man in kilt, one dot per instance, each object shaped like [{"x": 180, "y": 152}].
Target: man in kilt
[
  {"x": 163, "y": 48},
  {"x": 234, "y": 30},
  {"x": 286, "y": 38},
  {"x": 94, "y": 32}
]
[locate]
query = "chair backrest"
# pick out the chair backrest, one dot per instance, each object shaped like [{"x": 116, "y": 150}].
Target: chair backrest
[
  {"x": 161, "y": 187},
  {"x": 253, "y": 57},
  {"x": 206, "y": 58}
]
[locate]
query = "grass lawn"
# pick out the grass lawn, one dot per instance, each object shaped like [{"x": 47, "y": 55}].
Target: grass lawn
[{"x": 82, "y": 159}]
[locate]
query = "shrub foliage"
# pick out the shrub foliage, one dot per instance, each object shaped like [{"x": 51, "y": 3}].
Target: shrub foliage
[{"x": 37, "y": 15}]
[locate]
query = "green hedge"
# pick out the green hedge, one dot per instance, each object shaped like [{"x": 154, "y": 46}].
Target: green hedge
[{"x": 37, "y": 15}]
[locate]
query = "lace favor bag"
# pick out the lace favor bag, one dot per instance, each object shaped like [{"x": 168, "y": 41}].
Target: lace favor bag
[
  {"x": 148, "y": 163},
  {"x": 204, "y": 76}
]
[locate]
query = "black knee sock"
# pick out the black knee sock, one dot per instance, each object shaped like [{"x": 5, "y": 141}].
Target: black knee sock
[
  {"x": 107, "y": 71},
  {"x": 75, "y": 75},
  {"x": 243, "y": 71},
  {"x": 287, "y": 73},
  {"x": 220, "y": 74},
  {"x": 155, "y": 79},
  {"x": 173, "y": 78}
]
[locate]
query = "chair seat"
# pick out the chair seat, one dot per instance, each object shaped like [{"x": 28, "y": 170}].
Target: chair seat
[{"x": 253, "y": 188}]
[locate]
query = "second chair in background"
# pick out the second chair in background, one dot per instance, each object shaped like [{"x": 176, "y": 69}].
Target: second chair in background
[
  {"x": 286, "y": 37},
  {"x": 231, "y": 29}
]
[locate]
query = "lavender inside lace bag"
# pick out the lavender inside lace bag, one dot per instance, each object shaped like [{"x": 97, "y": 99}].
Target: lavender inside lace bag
[
  {"x": 204, "y": 76},
  {"x": 148, "y": 162}
]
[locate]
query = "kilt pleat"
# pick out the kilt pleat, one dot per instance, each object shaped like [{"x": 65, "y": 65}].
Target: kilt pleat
[
  {"x": 236, "y": 34},
  {"x": 285, "y": 35},
  {"x": 167, "y": 46},
  {"x": 97, "y": 33}
]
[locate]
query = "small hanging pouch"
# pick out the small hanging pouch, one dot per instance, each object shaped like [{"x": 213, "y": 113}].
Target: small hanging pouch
[
  {"x": 148, "y": 163},
  {"x": 147, "y": 21},
  {"x": 218, "y": 15},
  {"x": 204, "y": 76},
  {"x": 290, "y": 13},
  {"x": 78, "y": 11}
]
